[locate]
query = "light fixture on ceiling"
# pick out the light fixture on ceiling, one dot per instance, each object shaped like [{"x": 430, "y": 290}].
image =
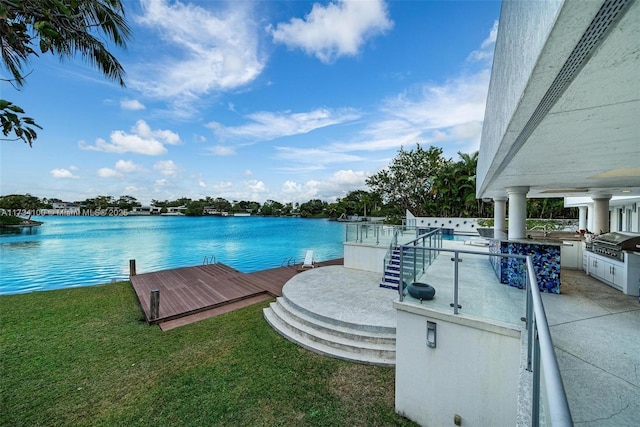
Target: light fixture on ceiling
[
  {"x": 618, "y": 173},
  {"x": 565, "y": 191}
]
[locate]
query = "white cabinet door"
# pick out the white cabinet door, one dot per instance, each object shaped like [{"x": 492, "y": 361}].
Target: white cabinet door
[
  {"x": 569, "y": 255},
  {"x": 596, "y": 267},
  {"x": 614, "y": 274}
]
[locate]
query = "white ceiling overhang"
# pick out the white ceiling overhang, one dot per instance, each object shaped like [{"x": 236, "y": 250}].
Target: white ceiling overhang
[{"x": 586, "y": 141}]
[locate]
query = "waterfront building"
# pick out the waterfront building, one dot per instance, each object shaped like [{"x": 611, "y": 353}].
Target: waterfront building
[{"x": 562, "y": 120}]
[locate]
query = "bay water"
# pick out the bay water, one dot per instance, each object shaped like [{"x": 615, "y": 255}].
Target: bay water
[{"x": 70, "y": 251}]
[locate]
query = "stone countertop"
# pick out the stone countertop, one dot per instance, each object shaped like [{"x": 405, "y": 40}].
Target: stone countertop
[{"x": 551, "y": 242}]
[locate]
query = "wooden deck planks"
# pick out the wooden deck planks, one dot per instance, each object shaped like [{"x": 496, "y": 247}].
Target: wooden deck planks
[{"x": 187, "y": 291}]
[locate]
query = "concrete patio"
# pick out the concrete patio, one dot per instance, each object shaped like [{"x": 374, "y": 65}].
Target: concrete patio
[
  {"x": 596, "y": 335},
  {"x": 595, "y": 328}
]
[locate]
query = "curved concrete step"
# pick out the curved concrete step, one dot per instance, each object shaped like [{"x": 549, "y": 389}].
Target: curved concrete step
[
  {"x": 323, "y": 343},
  {"x": 333, "y": 338},
  {"x": 335, "y": 328},
  {"x": 331, "y": 320}
]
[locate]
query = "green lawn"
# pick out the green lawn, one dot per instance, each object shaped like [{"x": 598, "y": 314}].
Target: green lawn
[{"x": 85, "y": 356}]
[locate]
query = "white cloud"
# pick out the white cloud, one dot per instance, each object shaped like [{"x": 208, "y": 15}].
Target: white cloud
[
  {"x": 316, "y": 156},
  {"x": 141, "y": 140},
  {"x": 349, "y": 177},
  {"x": 127, "y": 166},
  {"x": 223, "y": 186},
  {"x": 63, "y": 174},
  {"x": 166, "y": 136},
  {"x": 222, "y": 150},
  {"x": 166, "y": 167},
  {"x": 266, "y": 125},
  {"x": 338, "y": 185},
  {"x": 338, "y": 29},
  {"x": 214, "y": 50},
  {"x": 485, "y": 53},
  {"x": 457, "y": 101},
  {"x": 133, "y": 189},
  {"x": 109, "y": 173},
  {"x": 131, "y": 104},
  {"x": 448, "y": 115},
  {"x": 256, "y": 186}
]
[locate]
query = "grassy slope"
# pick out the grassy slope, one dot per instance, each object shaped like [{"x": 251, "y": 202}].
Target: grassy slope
[{"x": 85, "y": 356}]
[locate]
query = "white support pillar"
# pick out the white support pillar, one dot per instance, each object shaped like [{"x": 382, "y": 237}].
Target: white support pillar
[
  {"x": 590, "y": 217},
  {"x": 582, "y": 220},
  {"x": 517, "y": 212},
  {"x": 500, "y": 217},
  {"x": 601, "y": 214}
]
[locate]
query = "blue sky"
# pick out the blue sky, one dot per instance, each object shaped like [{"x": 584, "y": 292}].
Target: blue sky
[{"x": 256, "y": 100}]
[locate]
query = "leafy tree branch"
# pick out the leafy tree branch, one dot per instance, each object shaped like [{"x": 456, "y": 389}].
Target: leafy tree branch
[{"x": 64, "y": 28}]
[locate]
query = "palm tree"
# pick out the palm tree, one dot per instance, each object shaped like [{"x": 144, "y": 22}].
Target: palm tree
[{"x": 63, "y": 28}]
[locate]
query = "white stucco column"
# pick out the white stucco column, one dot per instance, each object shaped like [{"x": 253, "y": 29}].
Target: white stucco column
[
  {"x": 601, "y": 214},
  {"x": 517, "y": 212},
  {"x": 582, "y": 219},
  {"x": 499, "y": 217}
]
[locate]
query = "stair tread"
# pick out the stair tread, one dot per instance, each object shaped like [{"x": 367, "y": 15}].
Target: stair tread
[
  {"x": 321, "y": 348},
  {"x": 341, "y": 327},
  {"x": 326, "y": 336}
]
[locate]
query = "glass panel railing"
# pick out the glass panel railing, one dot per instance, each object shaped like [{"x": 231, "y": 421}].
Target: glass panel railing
[
  {"x": 478, "y": 292},
  {"x": 481, "y": 294},
  {"x": 370, "y": 234}
]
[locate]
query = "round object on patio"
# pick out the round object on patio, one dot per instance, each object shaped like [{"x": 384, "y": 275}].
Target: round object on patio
[{"x": 421, "y": 291}]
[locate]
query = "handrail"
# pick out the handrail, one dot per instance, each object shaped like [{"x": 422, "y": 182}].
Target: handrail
[
  {"x": 289, "y": 262},
  {"x": 559, "y": 412},
  {"x": 539, "y": 343},
  {"x": 388, "y": 256},
  {"x": 419, "y": 241}
]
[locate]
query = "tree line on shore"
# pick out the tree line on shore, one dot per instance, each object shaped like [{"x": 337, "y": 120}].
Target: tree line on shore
[{"x": 421, "y": 181}]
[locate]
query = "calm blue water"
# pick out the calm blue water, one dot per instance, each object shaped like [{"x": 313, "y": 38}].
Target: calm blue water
[{"x": 81, "y": 251}]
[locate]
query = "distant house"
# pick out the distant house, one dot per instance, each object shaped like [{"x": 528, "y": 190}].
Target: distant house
[
  {"x": 175, "y": 211},
  {"x": 62, "y": 208},
  {"x": 144, "y": 210},
  {"x": 211, "y": 210}
]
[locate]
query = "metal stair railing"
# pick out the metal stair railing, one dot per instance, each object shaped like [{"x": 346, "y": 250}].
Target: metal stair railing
[
  {"x": 417, "y": 255},
  {"x": 388, "y": 257}
]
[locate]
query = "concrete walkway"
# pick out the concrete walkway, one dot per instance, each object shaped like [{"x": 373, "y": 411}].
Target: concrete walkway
[{"x": 596, "y": 333}]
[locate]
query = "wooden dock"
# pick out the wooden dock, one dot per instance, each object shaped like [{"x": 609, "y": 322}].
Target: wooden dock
[{"x": 190, "y": 294}]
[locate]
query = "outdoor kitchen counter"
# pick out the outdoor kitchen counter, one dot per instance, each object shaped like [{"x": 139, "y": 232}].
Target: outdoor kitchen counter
[{"x": 545, "y": 256}]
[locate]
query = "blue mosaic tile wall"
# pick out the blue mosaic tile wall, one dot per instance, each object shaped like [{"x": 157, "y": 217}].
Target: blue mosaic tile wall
[{"x": 546, "y": 261}]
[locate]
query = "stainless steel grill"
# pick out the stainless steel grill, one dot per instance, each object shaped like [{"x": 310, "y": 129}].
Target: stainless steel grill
[{"x": 613, "y": 244}]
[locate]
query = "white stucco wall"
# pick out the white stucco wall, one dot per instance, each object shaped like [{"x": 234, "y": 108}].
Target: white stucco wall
[
  {"x": 522, "y": 33},
  {"x": 473, "y": 371},
  {"x": 365, "y": 257},
  {"x": 458, "y": 225}
]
